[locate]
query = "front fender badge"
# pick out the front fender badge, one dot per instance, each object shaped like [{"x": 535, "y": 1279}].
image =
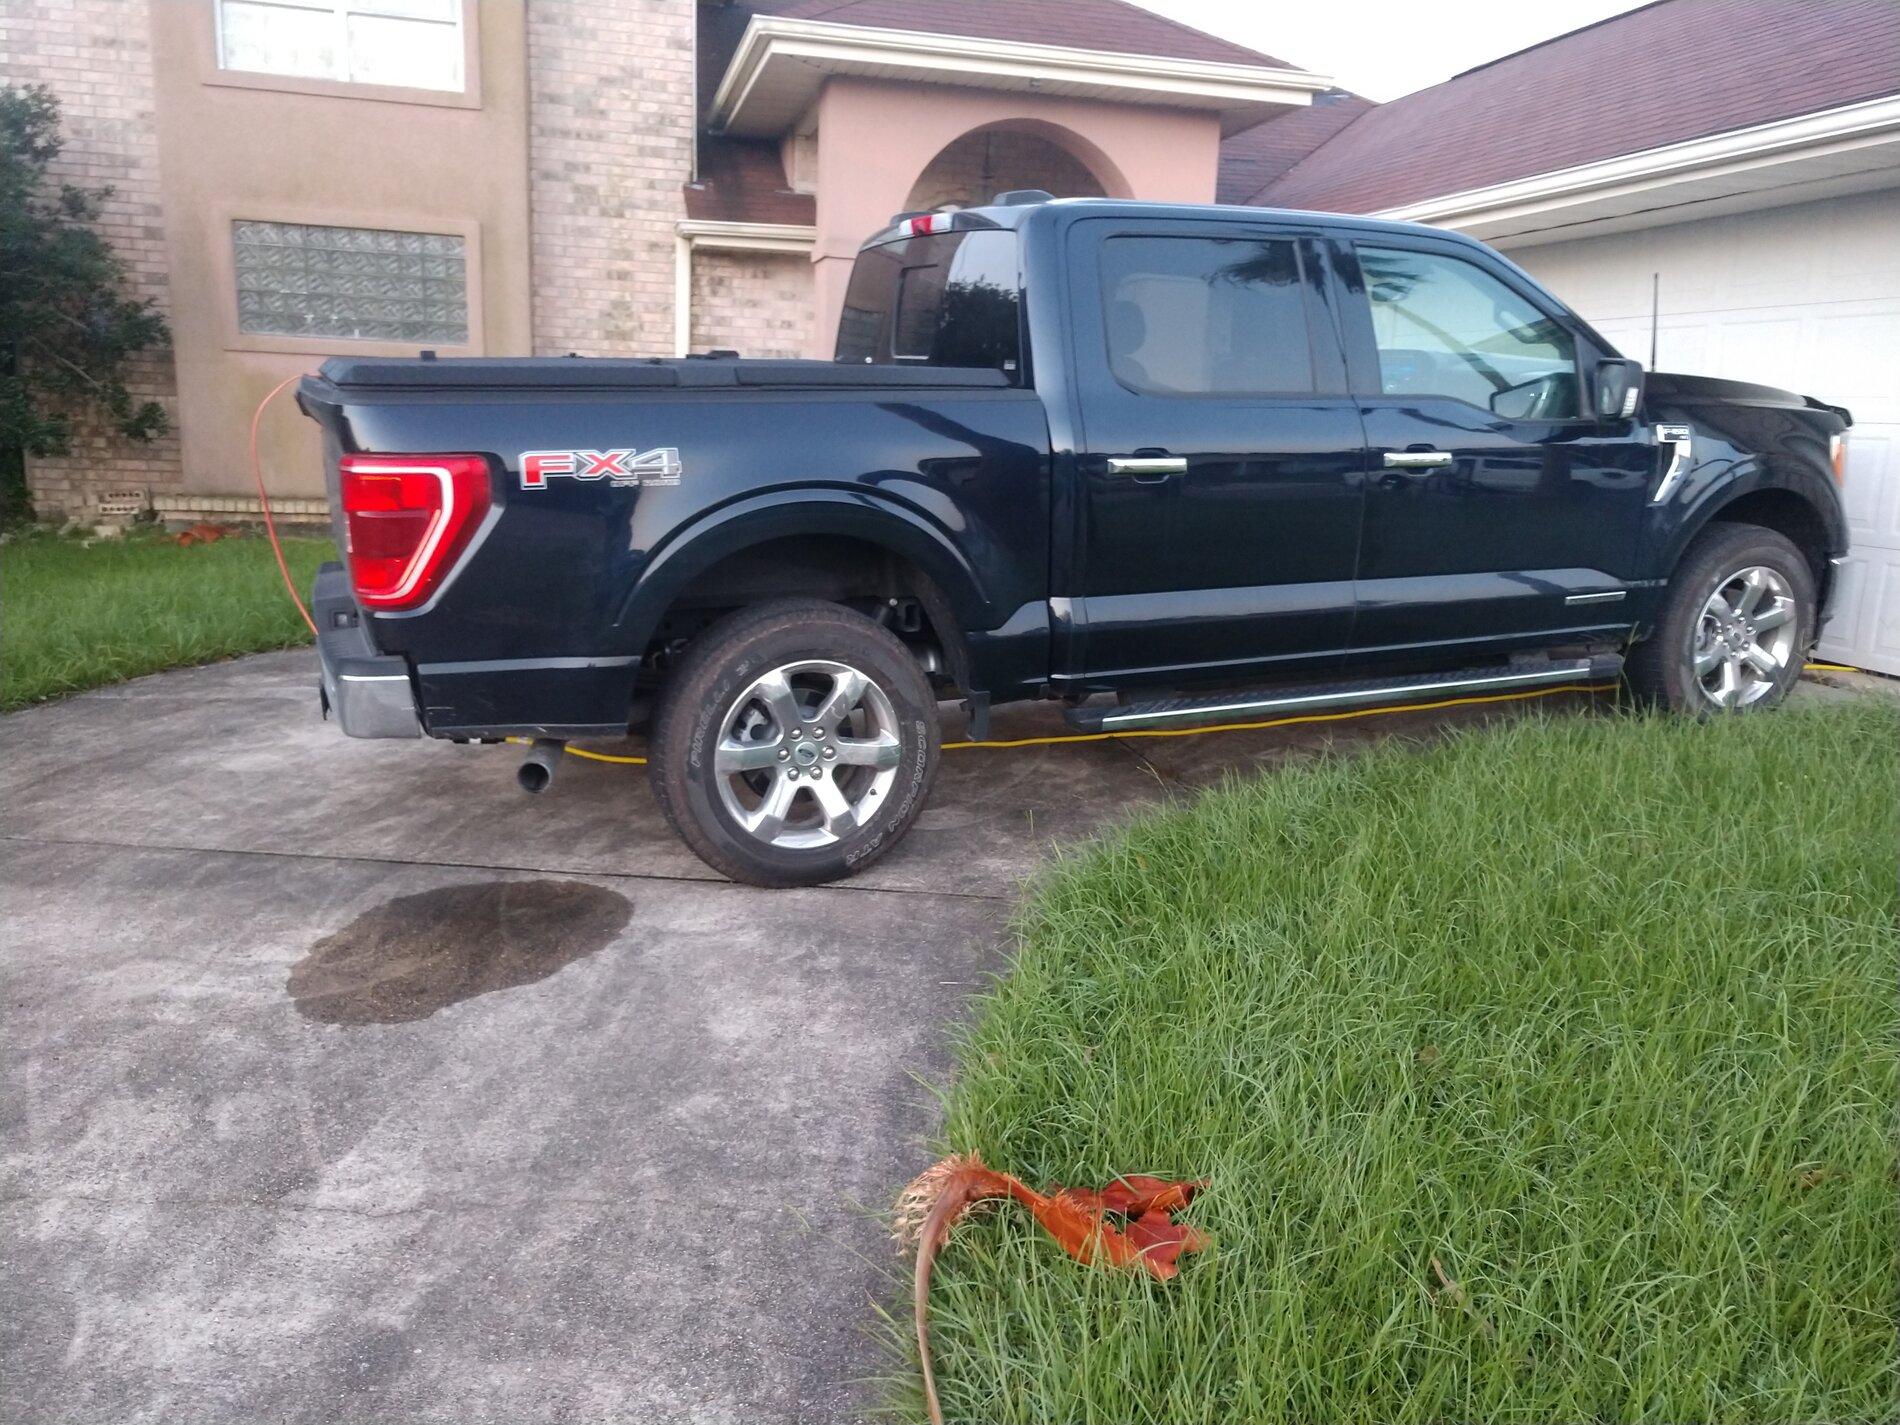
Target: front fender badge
[{"x": 1679, "y": 441}]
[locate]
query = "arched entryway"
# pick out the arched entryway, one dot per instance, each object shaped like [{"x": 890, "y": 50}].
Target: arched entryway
[
  {"x": 885, "y": 148},
  {"x": 973, "y": 169}
]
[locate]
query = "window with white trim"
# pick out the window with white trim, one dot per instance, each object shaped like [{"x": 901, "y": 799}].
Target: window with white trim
[
  {"x": 361, "y": 284},
  {"x": 413, "y": 44}
]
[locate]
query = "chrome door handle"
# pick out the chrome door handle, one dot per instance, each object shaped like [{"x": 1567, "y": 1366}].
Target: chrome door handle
[
  {"x": 1151, "y": 467},
  {"x": 1416, "y": 459}
]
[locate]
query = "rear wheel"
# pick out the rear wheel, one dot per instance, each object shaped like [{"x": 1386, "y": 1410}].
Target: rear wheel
[
  {"x": 795, "y": 744},
  {"x": 1735, "y": 627}
]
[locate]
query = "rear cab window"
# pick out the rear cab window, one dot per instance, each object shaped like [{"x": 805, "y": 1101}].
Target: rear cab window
[{"x": 947, "y": 299}]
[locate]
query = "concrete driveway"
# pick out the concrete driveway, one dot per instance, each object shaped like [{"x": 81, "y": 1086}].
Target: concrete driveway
[{"x": 346, "y": 1083}]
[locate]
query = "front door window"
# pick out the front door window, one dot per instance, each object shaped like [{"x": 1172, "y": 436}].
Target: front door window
[{"x": 1444, "y": 327}]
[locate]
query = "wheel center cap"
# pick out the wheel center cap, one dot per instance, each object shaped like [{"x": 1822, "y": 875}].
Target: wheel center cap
[{"x": 804, "y": 754}]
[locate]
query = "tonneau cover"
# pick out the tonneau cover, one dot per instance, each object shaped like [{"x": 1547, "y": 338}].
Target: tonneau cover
[{"x": 590, "y": 372}]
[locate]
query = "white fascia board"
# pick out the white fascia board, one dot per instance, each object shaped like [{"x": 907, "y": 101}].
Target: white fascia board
[
  {"x": 747, "y": 237},
  {"x": 822, "y": 47},
  {"x": 1565, "y": 191}
]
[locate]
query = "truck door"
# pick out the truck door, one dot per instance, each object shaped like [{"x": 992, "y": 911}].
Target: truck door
[
  {"x": 1219, "y": 457},
  {"x": 1498, "y": 512}
]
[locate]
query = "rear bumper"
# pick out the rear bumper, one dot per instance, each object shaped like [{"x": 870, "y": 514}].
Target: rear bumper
[{"x": 371, "y": 693}]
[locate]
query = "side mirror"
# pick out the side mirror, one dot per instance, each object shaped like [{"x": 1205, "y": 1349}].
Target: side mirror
[{"x": 1618, "y": 388}]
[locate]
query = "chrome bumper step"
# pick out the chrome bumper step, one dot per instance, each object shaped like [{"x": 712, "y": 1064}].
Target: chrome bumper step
[{"x": 1327, "y": 697}]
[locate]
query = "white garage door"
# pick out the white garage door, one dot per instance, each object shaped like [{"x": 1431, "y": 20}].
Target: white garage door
[{"x": 1806, "y": 297}]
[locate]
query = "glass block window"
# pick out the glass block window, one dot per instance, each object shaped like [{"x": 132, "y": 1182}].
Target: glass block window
[
  {"x": 299, "y": 279},
  {"x": 416, "y": 44}
]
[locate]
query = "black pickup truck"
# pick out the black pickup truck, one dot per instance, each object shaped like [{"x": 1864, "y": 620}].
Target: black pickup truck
[{"x": 1215, "y": 463}]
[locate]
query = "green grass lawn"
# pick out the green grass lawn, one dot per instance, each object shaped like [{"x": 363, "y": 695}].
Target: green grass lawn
[
  {"x": 76, "y": 616},
  {"x": 1599, "y": 1011}
]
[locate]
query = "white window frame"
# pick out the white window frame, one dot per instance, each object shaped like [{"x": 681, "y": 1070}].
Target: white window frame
[{"x": 340, "y": 12}]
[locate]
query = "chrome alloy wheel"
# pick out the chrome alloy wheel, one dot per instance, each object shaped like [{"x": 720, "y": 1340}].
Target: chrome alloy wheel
[
  {"x": 807, "y": 755},
  {"x": 1745, "y": 637}
]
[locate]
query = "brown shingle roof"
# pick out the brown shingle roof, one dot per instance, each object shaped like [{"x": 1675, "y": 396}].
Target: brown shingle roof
[
  {"x": 1112, "y": 25},
  {"x": 1255, "y": 157},
  {"x": 743, "y": 181},
  {"x": 1669, "y": 72}
]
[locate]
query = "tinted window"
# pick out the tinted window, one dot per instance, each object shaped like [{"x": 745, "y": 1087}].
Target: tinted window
[
  {"x": 1445, "y": 327},
  {"x": 1202, "y": 316},
  {"x": 947, "y": 300},
  {"x": 919, "y": 310}
]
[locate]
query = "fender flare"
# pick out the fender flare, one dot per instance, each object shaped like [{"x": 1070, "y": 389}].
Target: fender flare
[
  {"x": 1812, "y": 489},
  {"x": 955, "y": 589}
]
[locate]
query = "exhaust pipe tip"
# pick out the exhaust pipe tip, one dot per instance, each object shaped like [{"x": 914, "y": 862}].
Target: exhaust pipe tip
[{"x": 537, "y": 768}]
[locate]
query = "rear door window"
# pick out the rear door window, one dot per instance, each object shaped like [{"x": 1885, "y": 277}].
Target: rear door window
[
  {"x": 949, "y": 299},
  {"x": 1206, "y": 316}
]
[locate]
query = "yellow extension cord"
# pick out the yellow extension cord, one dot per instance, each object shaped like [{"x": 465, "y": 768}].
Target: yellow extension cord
[{"x": 1005, "y": 744}]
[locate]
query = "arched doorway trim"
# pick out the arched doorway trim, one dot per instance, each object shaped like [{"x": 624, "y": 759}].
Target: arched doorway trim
[{"x": 1107, "y": 175}]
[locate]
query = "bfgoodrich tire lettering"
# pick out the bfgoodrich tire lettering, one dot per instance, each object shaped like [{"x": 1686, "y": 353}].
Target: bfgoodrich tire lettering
[
  {"x": 1742, "y": 601},
  {"x": 795, "y": 744}
]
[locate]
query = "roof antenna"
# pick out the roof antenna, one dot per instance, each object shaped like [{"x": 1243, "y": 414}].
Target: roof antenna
[{"x": 1655, "y": 314}]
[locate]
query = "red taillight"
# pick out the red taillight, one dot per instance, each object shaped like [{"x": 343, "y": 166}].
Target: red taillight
[{"x": 408, "y": 518}]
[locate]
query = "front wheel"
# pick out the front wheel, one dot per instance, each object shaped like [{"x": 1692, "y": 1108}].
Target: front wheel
[
  {"x": 1735, "y": 626},
  {"x": 795, "y": 744}
]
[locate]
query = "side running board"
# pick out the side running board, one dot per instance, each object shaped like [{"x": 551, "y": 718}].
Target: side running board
[{"x": 1323, "y": 697}]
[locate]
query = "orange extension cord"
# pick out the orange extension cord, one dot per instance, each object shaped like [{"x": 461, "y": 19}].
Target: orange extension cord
[{"x": 263, "y": 499}]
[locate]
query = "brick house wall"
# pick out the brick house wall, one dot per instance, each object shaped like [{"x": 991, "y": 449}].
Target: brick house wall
[
  {"x": 96, "y": 56},
  {"x": 755, "y": 303},
  {"x": 610, "y": 145}
]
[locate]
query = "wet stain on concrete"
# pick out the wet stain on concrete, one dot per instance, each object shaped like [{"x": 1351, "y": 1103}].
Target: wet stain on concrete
[{"x": 415, "y": 955}]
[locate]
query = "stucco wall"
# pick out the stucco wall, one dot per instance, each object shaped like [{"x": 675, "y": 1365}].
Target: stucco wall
[
  {"x": 236, "y": 146},
  {"x": 612, "y": 143},
  {"x": 876, "y": 137},
  {"x": 755, "y": 303},
  {"x": 96, "y": 55}
]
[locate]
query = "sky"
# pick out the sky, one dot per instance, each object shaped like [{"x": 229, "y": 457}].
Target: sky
[{"x": 1385, "y": 48}]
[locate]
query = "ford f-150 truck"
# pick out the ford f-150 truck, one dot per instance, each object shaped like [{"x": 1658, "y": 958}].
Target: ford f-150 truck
[{"x": 1164, "y": 464}]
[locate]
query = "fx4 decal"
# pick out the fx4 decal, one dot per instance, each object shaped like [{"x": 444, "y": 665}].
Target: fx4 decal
[{"x": 618, "y": 467}]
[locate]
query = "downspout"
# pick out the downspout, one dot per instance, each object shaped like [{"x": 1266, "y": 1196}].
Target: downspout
[
  {"x": 682, "y": 295},
  {"x": 683, "y": 245}
]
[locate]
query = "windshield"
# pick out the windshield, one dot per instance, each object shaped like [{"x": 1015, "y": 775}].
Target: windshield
[{"x": 946, "y": 300}]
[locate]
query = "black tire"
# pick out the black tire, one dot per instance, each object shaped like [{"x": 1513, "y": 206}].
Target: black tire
[
  {"x": 1661, "y": 669},
  {"x": 705, "y": 693}
]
